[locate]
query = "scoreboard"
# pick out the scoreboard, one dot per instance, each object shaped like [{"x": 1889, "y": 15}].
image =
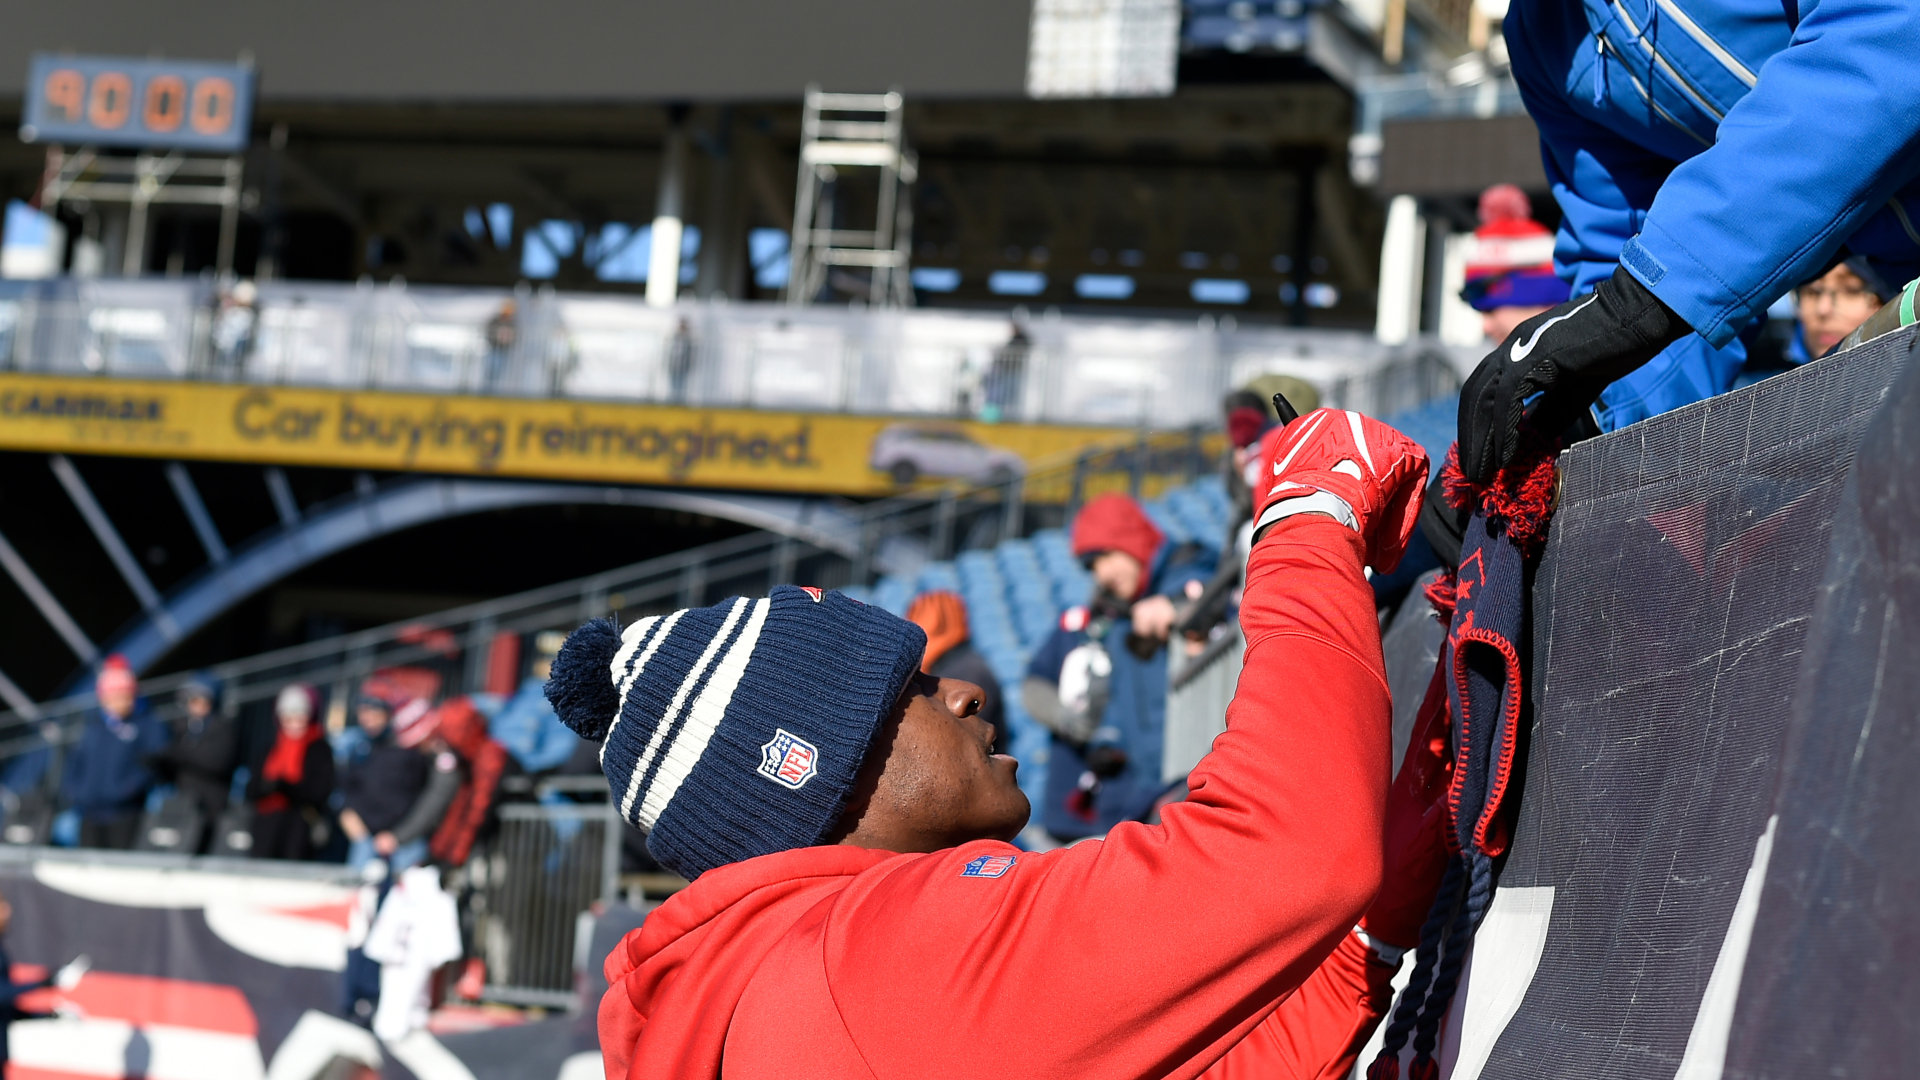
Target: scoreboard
[{"x": 161, "y": 104}]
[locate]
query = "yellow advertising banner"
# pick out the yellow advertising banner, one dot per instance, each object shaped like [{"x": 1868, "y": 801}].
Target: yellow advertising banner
[{"x": 547, "y": 439}]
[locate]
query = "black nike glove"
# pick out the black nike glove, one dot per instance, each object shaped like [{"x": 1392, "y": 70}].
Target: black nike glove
[{"x": 1568, "y": 356}]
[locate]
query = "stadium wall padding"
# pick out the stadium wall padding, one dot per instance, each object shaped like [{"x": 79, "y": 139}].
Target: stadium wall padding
[{"x": 1715, "y": 845}]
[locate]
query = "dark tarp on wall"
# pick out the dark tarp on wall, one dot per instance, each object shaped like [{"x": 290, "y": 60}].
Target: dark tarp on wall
[
  {"x": 1672, "y": 610},
  {"x": 1829, "y": 988}
]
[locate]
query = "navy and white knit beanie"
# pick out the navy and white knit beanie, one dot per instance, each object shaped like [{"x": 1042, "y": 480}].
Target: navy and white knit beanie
[{"x": 735, "y": 730}]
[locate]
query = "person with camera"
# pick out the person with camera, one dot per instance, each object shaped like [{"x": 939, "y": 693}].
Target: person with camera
[{"x": 1099, "y": 682}]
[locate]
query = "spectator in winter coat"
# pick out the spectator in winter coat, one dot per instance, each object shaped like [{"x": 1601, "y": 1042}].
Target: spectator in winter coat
[
  {"x": 201, "y": 758},
  {"x": 380, "y": 785},
  {"x": 951, "y": 655},
  {"x": 1834, "y": 305},
  {"x": 456, "y": 735},
  {"x": 1247, "y": 418},
  {"x": 856, "y": 911},
  {"x": 1510, "y": 278},
  {"x": 527, "y": 727},
  {"x": 1676, "y": 141},
  {"x": 106, "y": 778},
  {"x": 290, "y": 787},
  {"x": 1099, "y": 683}
]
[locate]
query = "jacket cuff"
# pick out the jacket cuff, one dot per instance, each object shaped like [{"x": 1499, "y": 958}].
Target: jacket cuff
[{"x": 1690, "y": 287}]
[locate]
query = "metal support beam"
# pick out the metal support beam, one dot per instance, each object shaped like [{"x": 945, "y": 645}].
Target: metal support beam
[
  {"x": 943, "y": 525},
  {"x": 17, "y": 699},
  {"x": 407, "y": 503},
  {"x": 781, "y": 573},
  {"x": 1303, "y": 224},
  {"x": 693, "y": 585},
  {"x": 479, "y": 650},
  {"x": 232, "y": 171},
  {"x": 282, "y": 493},
  {"x": 669, "y": 215},
  {"x": 109, "y": 538},
  {"x": 1014, "y": 505},
  {"x": 196, "y": 510},
  {"x": 50, "y": 608}
]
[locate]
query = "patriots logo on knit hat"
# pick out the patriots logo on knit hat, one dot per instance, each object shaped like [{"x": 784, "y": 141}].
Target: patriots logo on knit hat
[{"x": 697, "y": 710}]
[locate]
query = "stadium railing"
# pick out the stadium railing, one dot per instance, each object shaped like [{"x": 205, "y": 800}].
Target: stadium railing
[
  {"x": 1071, "y": 369},
  {"x": 533, "y": 887}
]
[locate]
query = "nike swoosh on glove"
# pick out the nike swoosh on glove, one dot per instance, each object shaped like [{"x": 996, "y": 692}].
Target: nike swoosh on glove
[
  {"x": 1352, "y": 468},
  {"x": 1568, "y": 356}
]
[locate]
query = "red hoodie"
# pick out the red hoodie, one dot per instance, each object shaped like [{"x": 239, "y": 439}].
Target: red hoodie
[
  {"x": 1150, "y": 953},
  {"x": 1117, "y": 523}
]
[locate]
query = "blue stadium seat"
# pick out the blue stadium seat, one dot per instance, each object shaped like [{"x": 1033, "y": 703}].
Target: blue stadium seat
[
  {"x": 893, "y": 593},
  {"x": 1434, "y": 426}
]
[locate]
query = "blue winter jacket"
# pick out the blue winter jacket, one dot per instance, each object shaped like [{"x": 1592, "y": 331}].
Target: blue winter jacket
[
  {"x": 1722, "y": 151},
  {"x": 105, "y": 776},
  {"x": 1136, "y": 714}
]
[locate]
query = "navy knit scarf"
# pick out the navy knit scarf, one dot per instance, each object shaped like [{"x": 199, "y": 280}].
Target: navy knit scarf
[{"x": 1486, "y": 596}]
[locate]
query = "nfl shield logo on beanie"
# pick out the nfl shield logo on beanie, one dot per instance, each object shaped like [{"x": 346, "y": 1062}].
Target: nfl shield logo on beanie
[
  {"x": 735, "y": 730},
  {"x": 788, "y": 760}
]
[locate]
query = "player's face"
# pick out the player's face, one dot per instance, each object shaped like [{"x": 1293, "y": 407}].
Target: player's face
[{"x": 932, "y": 779}]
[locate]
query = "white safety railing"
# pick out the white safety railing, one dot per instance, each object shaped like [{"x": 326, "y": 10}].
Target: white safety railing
[{"x": 1079, "y": 369}]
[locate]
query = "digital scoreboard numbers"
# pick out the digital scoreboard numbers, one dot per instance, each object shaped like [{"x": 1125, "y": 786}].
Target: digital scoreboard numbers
[{"x": 162, "y": 104}]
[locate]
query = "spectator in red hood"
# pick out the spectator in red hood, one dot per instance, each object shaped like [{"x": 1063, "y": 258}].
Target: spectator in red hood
[
  {"x": 290, "y": 787},
  {"x": 855, "y": 907},
  {"x": 1247, "y": 418},
  {"x": 1099, "y": 683},
  {"x": 458, "y": 729}
]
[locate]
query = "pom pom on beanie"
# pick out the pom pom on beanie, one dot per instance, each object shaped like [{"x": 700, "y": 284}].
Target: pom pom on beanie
[{"x": 580, "y": 687}]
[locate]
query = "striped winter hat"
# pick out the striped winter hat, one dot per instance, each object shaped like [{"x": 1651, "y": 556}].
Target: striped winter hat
[
  {"x": 735, "y": 730},
  {"x": 1511, "y": 264}
]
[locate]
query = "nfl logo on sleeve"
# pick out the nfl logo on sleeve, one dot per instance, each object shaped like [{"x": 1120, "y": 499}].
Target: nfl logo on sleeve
[
  {"x": 788, "y": 760},
  {"x": 989, "y": 866}
]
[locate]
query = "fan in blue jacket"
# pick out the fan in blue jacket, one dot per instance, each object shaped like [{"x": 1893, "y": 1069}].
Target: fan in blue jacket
[
  {"x": 106, "y": 779},
  {"x": 1708, "y": 157}
]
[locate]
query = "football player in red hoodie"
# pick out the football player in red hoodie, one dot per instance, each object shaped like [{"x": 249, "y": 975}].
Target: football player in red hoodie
[{"x": 856, "y": 910}]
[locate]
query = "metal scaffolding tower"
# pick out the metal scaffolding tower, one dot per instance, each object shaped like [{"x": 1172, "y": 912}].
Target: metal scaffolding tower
[
  {"x": 852, "y": 131},
  {"x": 142, "y": 180}
]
